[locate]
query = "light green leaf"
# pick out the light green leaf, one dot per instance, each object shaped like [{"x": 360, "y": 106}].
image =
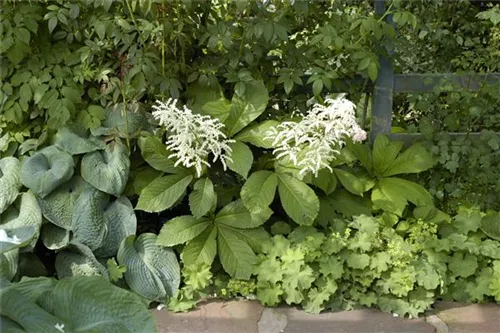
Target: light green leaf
[
  {"x": 490, "y": 225},
  {"x": 78, "y": 260},
  {"x": 88, "y": 223},
  {"x": 107, "y": 170},
  {"x": 413, "y": 160},
  {"x": 181, "y": 229},
  {"x": 257, "y": 133},
  {"x": 76, "y": 141},
  {"x": 163, "y": 192},
  {"x": 253, "y": 237},
  {"x": 46, "y": 170},
  {"x": 259, "y": 190},
  {"x": 349, "y": 205},
  {"x": 241, "y": 159},
  {"x": 152, "y": 271},
  {"x": 326, "y": 180},
  {"x": 235, "y": 255},
  {"x": 115, "y": 271},
  {"x": 156, "y": 154},
  {"x": 122, "y": 123},
  {"x": 219, "y": 109},
  {"x": 299, "y": 200},
  {"x": 202, "y": 248},
  {"x": 237, "y": 215},
  {"x": 393, "y": 194},
  {"x": 202, "y": 198},
  {"x": 363, "y": 153},
  {"x": 10, "y": 182},
  {"x": 246, "y": 108},
  {"x": 352, "y": 183},
  {"x": 385, "y": 152}
]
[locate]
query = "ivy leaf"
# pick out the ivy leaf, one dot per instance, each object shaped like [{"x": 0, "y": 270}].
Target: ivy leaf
[
  {"x": 241, "y": 159},
  {"x": 256, "y": 134},
  {"x": 236, "y": 256},
  {"x": 181, "y": 229},
  {"x": 413, "y": 160},
  {"x": 259, "y": 190},
  {"x": 115, "y": 271},
  {"x": 202, "y": 248},
  {"x": 202, "y": 198},
  {"x": 299, "y": 200},
  {"x": 163, "y": 192}
]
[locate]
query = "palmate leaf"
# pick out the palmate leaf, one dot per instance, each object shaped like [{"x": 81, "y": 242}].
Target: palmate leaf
[
  {"x": 10, "y": 181},
  {"x": 256, "y": 134},
  {"x": 156, "y": 154},
  {"x": 259, "y": 190},
  {"x": 78, "y": 260},
  {"x": 241, "y": 159},
  {"x": 77, "y": 141},
  {"x": 163, "y": 192},
  {"x": 202, "y": 248},
  {"x": 413, "y": 160},
  {"x": 490, "y": 225},
  {"x": 152, "y": 271},
  {"x": 46, "y": 170},
  {"x": 299, "y": 200},
  {"x": 385, "y": 152},
  {"x": 107, "y": 170},
  {"x": 202, "y": 198},
  {"x": 235, "y": 255},
  {"x": 236, "y": 215},
  {"x": 182, "y": 229}
]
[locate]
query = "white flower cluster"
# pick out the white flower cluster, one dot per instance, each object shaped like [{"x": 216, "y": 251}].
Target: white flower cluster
[
  {"x": 192, "y": 137},
  {"x": 313, "y": 142}
]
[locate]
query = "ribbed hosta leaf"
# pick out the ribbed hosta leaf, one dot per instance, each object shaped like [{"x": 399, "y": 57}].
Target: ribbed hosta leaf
[
  {"x": 23, "y": 220},
  {"x": 10, "y": 181},
  {"x": 77, "y": 141},
  {"x": 78, "y": 260},
  {"x": 9, "y": 264},
  {"x": 53, "y": 237},
  {"x": 46, "y": 170},
  {"x": 152, "y": 271},
  {"x": 107, "y": 170},
  {"x": 120, "y": 222},
  {"x": 7, "y": 325},
  {"x": 58, "y": 206},
  {"x": 88, "y": 218},
  {"x": 16, "y": 237},
  {"x": 30, "y": 265}
]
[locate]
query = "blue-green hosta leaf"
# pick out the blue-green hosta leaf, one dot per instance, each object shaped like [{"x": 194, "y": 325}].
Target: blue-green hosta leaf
[
  {"x": 202, "y": 198},
  {"x": 235, "y": 255},
  {"x": 259, "y": 190},
  {"x": 16, "y": 238},
  {"x": 246, "y": 108},
  {"x": 202, "y": 248},
  {"x": 152, "y": 270},
  {"x": 77, "y": 141},
  {"x": 23, "y": 220},
  {"x": 241, "y": 159},
  {"x": 163, "y": 192},
  {"x": 10, "y": 181},
  {"x": 107, "y": 170},
  {"x": 58, "y": 206},
  {"x": 34, "y": 288},
  {"x": 93, "y": 304},
  {"x": 120, "y": 222},
  {"x": 385, "y": 152},
  {"x": 54, "y": 237},
  {"x": 9, "y": 264},
  {"x": 413, "y": 160},
  {"x": 7, "y": 325},
  {"x": 182, "y": 229},
  {"x": 490, "y": 225},
  {"x": 88, "y": 218},
  {"x": 299, "y": 200},
  {"x": 120, "y": 123},
  {"x": 236, "y": 215},
  {"x": 78, "y": 260},
  {"x": 46, "y": 170},
  {"x": 31, "y": 265},
  {"x": 256, "y": 134}
]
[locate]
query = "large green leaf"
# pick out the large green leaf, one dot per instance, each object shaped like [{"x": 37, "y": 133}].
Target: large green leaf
[
  {"x": 348, "y": 204},
  {"x": 119, "y": 223},
  {"x": 236, "y": 215},
  {"x": 17, "y": 237},
  {"x": 9, "y": 264},
  {"x": 246, "y": 108},
  {"x": 392, "y": 195},
  {"x": 156, "y": 154},
  {"x": 152, "y": 270},
  {"x": 24, "y": 220},
  {"x": 200, "y": 93},
  {"x": 253, "y": 237},
  {"x": 54, "y": 237},
  {"x": 219, "y": 109},
  {"x": 235, "y": 255},
  {"x": 413, "y": 160},
  {"x": 256, "y": 134},
  {"x": 46, "y": 170},
  {"x": 385, "y": 152},
  {"x": 299, "y": 200},
  {"x": 107, "y": 170},
  {"x": 202, "y": 248},
  {"x": 163, "y": 192},
  {"x": 326, "y": 180},
  {"x": 363, "y": 153},
  {"x": 77, "y": 141},
  {"x": 10, "y": 181},
  {"x": 181, "y": 229},
  {"x": 202, "y": 198},
  {"x": 259, "y": 190},
  {"x": 490, "y": 225},
  {"x": 119, "y": 122},
  {"x": 78, "y": 260},
  {"x": 353, "y": 183},
  {"x": 241, "y": 159},
  {"x": 88, "y": 224},
  {"x": 58, "y": 206}
]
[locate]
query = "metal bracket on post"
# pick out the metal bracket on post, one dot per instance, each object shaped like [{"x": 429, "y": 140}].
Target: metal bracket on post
[{"x": 381, "y": 118}]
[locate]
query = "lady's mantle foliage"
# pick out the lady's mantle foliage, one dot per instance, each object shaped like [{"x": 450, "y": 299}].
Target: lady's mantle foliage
[
  {"x": 192, "y": 137},
  {"x": 312, "y": 143}
]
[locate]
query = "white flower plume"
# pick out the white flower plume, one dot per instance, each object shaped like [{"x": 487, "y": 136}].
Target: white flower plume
[
  {"x": 313, "y": 142},
  {"x": 192, "y": 137}
]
